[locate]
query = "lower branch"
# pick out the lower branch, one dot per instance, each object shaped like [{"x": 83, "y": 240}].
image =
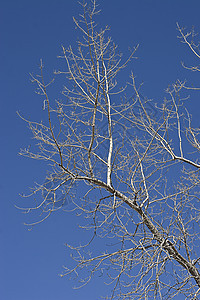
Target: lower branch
[{"x": 164, "y": 243}]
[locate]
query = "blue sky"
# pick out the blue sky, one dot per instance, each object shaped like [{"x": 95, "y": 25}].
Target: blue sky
[{"x": 31, "y": 30}]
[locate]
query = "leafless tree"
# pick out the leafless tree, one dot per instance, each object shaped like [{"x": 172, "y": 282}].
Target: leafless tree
[{"x": 139, "y": 180}]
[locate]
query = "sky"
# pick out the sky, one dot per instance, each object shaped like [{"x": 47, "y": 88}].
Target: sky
[{"x": 29, "y": 31}]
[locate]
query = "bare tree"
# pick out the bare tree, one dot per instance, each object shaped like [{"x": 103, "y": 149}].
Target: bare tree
[{"x": 139, "y": 181}]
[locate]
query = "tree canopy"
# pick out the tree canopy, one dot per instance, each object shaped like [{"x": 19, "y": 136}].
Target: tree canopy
[{"x": 131, "y": 160}]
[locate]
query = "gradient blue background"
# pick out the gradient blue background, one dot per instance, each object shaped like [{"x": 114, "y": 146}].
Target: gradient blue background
[{"x": 31, "y": 260}]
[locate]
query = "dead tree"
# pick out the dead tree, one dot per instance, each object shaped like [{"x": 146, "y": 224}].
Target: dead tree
[{"x": 140, "y": 182}]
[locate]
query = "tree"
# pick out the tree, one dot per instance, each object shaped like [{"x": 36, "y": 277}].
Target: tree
[{"x": 140, "y": 188}]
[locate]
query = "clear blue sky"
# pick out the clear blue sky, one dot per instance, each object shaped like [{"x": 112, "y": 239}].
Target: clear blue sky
[{"x": 31, "y": 30}]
